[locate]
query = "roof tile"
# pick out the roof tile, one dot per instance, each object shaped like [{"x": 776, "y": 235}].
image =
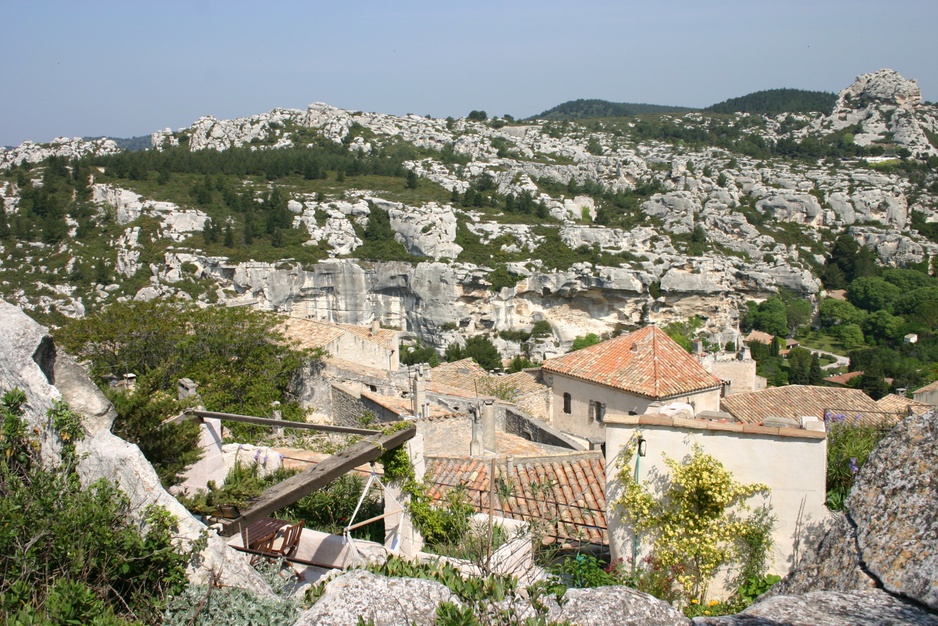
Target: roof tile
[
  {"x": 566, "y": 492},
  {"x": 646, "y": 362}
]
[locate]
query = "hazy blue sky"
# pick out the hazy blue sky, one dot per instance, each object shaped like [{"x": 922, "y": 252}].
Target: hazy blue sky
[{"x": 126, "y": 68}]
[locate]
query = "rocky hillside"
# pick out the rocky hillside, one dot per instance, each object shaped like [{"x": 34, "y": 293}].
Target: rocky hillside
[{"x": 491, "y": 225}]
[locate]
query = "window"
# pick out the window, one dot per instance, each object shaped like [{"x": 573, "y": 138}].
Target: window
[
  {"x": 567, "y": 403},
  {"x": 597, "y": 411}
]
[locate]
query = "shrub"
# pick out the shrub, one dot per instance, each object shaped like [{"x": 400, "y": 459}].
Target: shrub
[
  {"x": 73, "y": 555},
  {"x": 199, "y": 605},
  {"x": 584, "y": 341},
  {"x": 700, "y": 521},
  {"x": 849, "y": 444},
  {"x": 582, "y": 571}
]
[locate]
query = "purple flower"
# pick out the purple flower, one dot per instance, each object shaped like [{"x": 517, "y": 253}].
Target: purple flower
[
  {"x": 854, "y": 468},
  {"x": 856, "y": 418}
]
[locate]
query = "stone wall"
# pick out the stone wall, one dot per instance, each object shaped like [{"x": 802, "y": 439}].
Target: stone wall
[
  {"x": 347, "y": 406},
  {"x": 535, "y": 430}
]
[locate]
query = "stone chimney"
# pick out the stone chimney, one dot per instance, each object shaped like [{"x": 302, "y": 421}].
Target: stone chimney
[
  {"x": 375, "y": 326},
  {"x": 488, "y": 425},
  {"x": 187, "y": 388},
  {"x": 419, "y": 392},
  {"x": 475, "y": 445}
]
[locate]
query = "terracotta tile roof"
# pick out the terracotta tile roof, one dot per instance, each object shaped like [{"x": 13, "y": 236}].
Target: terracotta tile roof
[
  {"x": 308, "y": 333},
  {"x": 929, "y": 387},
  {"x": 796, "y": 401},
  {"x": 469, "y": 376},
  {"x": 761, "y": 337},
  {"x": 842, "y": 379},
  {"x": 404, "y": 406},
  {"x": 314, "y": 334},
  {"x": 384, "y": 337},
  {"x": 647, "y": 363},
  {"x": 901, "y": 405},
  {"x": 524, "y": 382},
  {"x": 464, "y": 374},
  {"x": 566, "y": 492}
]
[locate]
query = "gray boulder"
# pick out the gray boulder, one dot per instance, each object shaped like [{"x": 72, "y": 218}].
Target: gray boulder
[
  {"x": 386, "y": 601},
  {"x": 615, "y": 606},
  {"x": 872, "y": 607},
  {"x": 895, "y": 510}
]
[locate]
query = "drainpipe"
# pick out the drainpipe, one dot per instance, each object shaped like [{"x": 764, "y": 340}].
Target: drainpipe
[{"x": 640, "y": 452}]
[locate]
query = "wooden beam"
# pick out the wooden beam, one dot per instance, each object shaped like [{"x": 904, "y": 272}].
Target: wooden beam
[
  {"x": 309, "y": 480},
  {"x": 263, "y": 421}
]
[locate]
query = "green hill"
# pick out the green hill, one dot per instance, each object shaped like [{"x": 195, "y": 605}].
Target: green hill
[
  {"x": 582, "y": 109},
  {"x": 774, "y": 101}
]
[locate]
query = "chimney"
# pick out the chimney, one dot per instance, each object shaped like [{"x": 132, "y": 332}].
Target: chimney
[
  {"x": 375, "y": 326},
  {"x": 421, "y": 406},
  {"x": 475, "y": 445},
  {"x": 187, "y": 388},
  {"x": 488, "y": 425}
]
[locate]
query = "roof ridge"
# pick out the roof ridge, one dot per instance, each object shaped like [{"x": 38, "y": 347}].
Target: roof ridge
[{"x": 654, "y": 354}]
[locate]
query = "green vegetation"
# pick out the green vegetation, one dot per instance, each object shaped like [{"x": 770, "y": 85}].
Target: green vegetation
[
  {"x": 584, "y": 341},
  {"x": 200, "y": 605},
  {"x": 328, "y": 509},
  {"x": 582, "y": 109},
  {"x": 71, "y": 555},
  {"x": 478, "y": 348},
  {"x": 702, "y": 521},
  {"x": 849, "y": 444},
  {"x": 236, "y": 355},
  {"x": 775, "y": 101}
]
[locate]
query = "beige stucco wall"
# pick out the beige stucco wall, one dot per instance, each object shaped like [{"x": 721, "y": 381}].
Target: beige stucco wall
[
  {"x": 352, "y": 347},
  {"x": 618, "y": 403},
  {"x": 928, "y": 397},
  {"x": 794, "y": 468}
]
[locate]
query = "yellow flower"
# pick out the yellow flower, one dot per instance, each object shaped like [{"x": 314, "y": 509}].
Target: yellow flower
[
  {"x": 706, "y": 612},
  {"x": 694, "y": 601},
  {"x": 714, "y": 602}
]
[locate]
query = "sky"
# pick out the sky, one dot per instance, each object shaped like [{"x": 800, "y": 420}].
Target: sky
[{"x": 127, "y": 68}]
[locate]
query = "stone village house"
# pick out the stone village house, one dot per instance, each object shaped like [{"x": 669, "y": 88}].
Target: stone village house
[
  {"x": 646, "y": 385},
  {"x": 640, "y": 384}
]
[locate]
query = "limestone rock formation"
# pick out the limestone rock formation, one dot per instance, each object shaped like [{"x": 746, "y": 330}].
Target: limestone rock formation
[
  {"x": 385, "y": 601},
  {"x": 895, "y": 510},
  {"x": 885, "y": 105},
  {"x": 827, "y": 608},
  {"x": 833, "y": 566},
  {"x": 886, "y": 539},
  {"x": 30, "y": 361},
  {"x": 29, "y": 152}
]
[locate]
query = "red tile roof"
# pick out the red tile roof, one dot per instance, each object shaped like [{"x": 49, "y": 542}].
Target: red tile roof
[
  {"x": 565, "y": 492},
  {"x": 647, "y": 363},
  {"x": 796, "y": 401},
  {"x": 842, "y": 379},
  {"x": 902, "y": 405},
  {"x": 315, "y": 334}
]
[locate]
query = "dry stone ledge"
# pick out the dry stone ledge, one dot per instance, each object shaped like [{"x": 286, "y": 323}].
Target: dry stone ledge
[
  {"x": 894, "y": 505},
  {"x": 615, "y": 606},
  {"x": 872, "y": 607},
  {"x": 386, "y": 601}
]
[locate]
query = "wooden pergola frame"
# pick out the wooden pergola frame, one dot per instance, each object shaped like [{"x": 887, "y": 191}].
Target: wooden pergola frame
[{"x": 309, "y": 480}]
